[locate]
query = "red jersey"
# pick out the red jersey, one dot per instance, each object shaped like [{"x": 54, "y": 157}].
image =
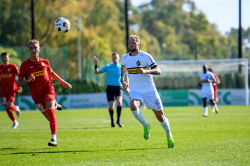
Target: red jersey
[
  {"x": 39, "y": 69},
  {"x": 217, "y": 79},
  {"x": 8, "y": 77}
]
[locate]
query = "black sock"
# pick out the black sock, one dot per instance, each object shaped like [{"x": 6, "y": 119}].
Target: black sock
[
  {"x": 118, "y": 110},
  {"x": 111, "y": 112}
]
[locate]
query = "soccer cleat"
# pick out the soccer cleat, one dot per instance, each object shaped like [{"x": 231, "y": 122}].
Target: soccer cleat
[
  {"x": 170, "y": 142},
  {"x": 59, "y": 107},
  {"x": 15, "y": 124},
  {"x": 119, "y": 123},
  {"x": 216, "y": 110},
  {"x": 112, "y": 123},
  {"x": 52, "y": 143},
  {"x": 18, "y": 111},
  {"x": 205, "y": 115},
  {"x": 213, "y": 110},
  {"x": 146, "y": 132}
]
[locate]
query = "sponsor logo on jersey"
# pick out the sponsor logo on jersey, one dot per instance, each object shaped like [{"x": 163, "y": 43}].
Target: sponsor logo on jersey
[
  {"x": 39, "y": 73},
  {"x": 6, "y": 75},
  {"x": 135, "y": 70}
]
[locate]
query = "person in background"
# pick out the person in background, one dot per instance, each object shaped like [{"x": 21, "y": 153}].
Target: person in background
[
  {"x": 114, "y": 86},
  {"x": 8, "y": 73},
  {"x": 215, "y": 89}
]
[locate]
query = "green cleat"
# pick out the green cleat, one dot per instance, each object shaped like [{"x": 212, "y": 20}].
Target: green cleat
[
  {"x": 213, "y": 110},
  {"x": 146, "y": 132},
  {"x": 170, "y": 142}
]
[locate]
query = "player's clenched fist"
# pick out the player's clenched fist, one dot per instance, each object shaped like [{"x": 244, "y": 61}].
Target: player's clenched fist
[{"x": 31, "y": 78}]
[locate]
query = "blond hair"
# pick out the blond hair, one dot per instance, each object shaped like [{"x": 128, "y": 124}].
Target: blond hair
[
  {"x": 136, "y": 37},
  {"x": 33, "y": 41}
]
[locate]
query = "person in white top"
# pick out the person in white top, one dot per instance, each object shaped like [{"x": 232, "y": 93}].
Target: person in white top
[
  {"x": 140, "y": 67},
  {"x": 207, "y": 91}
]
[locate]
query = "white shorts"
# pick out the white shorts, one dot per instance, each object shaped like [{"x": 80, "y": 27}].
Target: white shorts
[
  {"x": 207, "y": 93},
  {"x": 151, "y": 99}
]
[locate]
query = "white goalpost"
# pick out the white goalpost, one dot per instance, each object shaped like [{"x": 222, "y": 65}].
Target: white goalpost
[{"x": 184, "y": 74}]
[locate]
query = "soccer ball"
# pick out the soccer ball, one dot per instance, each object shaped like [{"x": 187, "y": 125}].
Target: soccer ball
[{"x": 62, "y": 25}]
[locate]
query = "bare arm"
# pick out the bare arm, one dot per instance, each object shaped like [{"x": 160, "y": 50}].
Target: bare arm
[
  {"x": 56, "y": 77},
  {"x": 123, "y": 72},
  {"x": 96, "y": 61},
  {"x": 155, "y": 71},
  {"x": 20, "y": 82}
]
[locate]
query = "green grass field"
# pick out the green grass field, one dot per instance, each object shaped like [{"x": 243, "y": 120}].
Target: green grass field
[{"x": 86, "y": 138}]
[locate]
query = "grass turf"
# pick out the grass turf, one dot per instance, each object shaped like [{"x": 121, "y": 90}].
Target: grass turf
[{"x": 86, "y": 138}]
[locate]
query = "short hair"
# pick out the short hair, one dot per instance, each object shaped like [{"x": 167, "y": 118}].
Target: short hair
[
  {"x": 4, "y": 54},
  {"x": 210, "y": 69},
  {"x": 136, "y": 37},
  {"x": 115, "y": 53},
  {"x": 33, "y": 41}
]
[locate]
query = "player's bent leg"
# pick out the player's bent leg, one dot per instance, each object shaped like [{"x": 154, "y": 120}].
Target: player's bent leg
[
  {"x": 15, "y": 124},
  {"x": 165, "y": 125},
  {"x": 215, "y": 106}
]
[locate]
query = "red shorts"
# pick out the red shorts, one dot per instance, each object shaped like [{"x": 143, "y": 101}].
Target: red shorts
[
  {"x": 7, "y": 96},
  {"x": 41, "y": 102}
]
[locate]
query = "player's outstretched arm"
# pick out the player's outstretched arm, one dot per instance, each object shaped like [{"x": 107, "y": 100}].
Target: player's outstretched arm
[
  {"x": 56, "y": 77},
  {"x": 96, "y": 61}
]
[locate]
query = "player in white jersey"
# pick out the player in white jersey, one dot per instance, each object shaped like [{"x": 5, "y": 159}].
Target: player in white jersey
[
  {"x": 140, "y": 67},
  {"x": 207, "y": 91}
]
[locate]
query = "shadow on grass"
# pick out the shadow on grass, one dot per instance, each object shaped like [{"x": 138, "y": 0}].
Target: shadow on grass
[
  {"x": 7, "y": 149},
  {"x": 81, "y": 151}
]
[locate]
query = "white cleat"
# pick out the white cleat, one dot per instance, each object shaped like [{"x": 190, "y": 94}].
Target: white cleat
[
  {"x": 18, "y": 111},
  {"x": 52, "y": 143},
  {"x": 15, "y": 124}
]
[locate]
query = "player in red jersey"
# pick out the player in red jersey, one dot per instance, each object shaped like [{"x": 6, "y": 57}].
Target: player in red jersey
[
  {"x": 8, "y": 72},
  {"x": 38, "y": 75},
  {"x": 215, "y": 88}
]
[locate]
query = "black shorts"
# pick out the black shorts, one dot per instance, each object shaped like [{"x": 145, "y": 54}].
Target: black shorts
[{"x": 113, "y": 91}]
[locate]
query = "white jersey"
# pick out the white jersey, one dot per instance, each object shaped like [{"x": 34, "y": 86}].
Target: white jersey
[
  {"x": 207, "y": 87},
  {"x": 141, "y": 83}
]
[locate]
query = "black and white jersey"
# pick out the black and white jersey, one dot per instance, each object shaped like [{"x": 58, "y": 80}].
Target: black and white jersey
[{"x": 142, "y": 83}]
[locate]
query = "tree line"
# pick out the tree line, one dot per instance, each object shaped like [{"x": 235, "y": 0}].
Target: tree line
[{"x": 167, "y": 31}]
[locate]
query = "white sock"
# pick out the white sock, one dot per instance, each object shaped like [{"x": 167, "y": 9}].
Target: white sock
[
  {"x": 215, "y": 106},
  {"x": 138, "y": 115},
  {"x": 205, "y": 110},
  {"x": 54, "y": 136},
  {"x": 166, "y": 127}
]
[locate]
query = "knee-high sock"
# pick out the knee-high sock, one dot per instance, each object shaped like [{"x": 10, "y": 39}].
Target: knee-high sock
[
  {"x": 111, "y": 113},
  {"x": 166, "y": 127},
  {"x": 52, "y": 120},
  {"x": 138, "y": 115},
  {"x": 118, "y": 110},
  {"x": 13, "y": 107},
  {"x": 10, "y": 114},
  {"x": 205, "y": 110}
]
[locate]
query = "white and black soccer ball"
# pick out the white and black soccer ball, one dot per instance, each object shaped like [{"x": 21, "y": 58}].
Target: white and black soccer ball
[{"x": 62, "y": 25}]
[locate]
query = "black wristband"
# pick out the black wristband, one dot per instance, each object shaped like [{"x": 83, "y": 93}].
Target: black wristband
[
  {"x": 95, "y": 66},
  {"x": 122, "y": 81}
]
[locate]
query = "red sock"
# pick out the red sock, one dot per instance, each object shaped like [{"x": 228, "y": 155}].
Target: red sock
[
  {"x": 10, "y": 114},
  {"x": 13, "y": 107},
  {"x": 52, "y": 120}
]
